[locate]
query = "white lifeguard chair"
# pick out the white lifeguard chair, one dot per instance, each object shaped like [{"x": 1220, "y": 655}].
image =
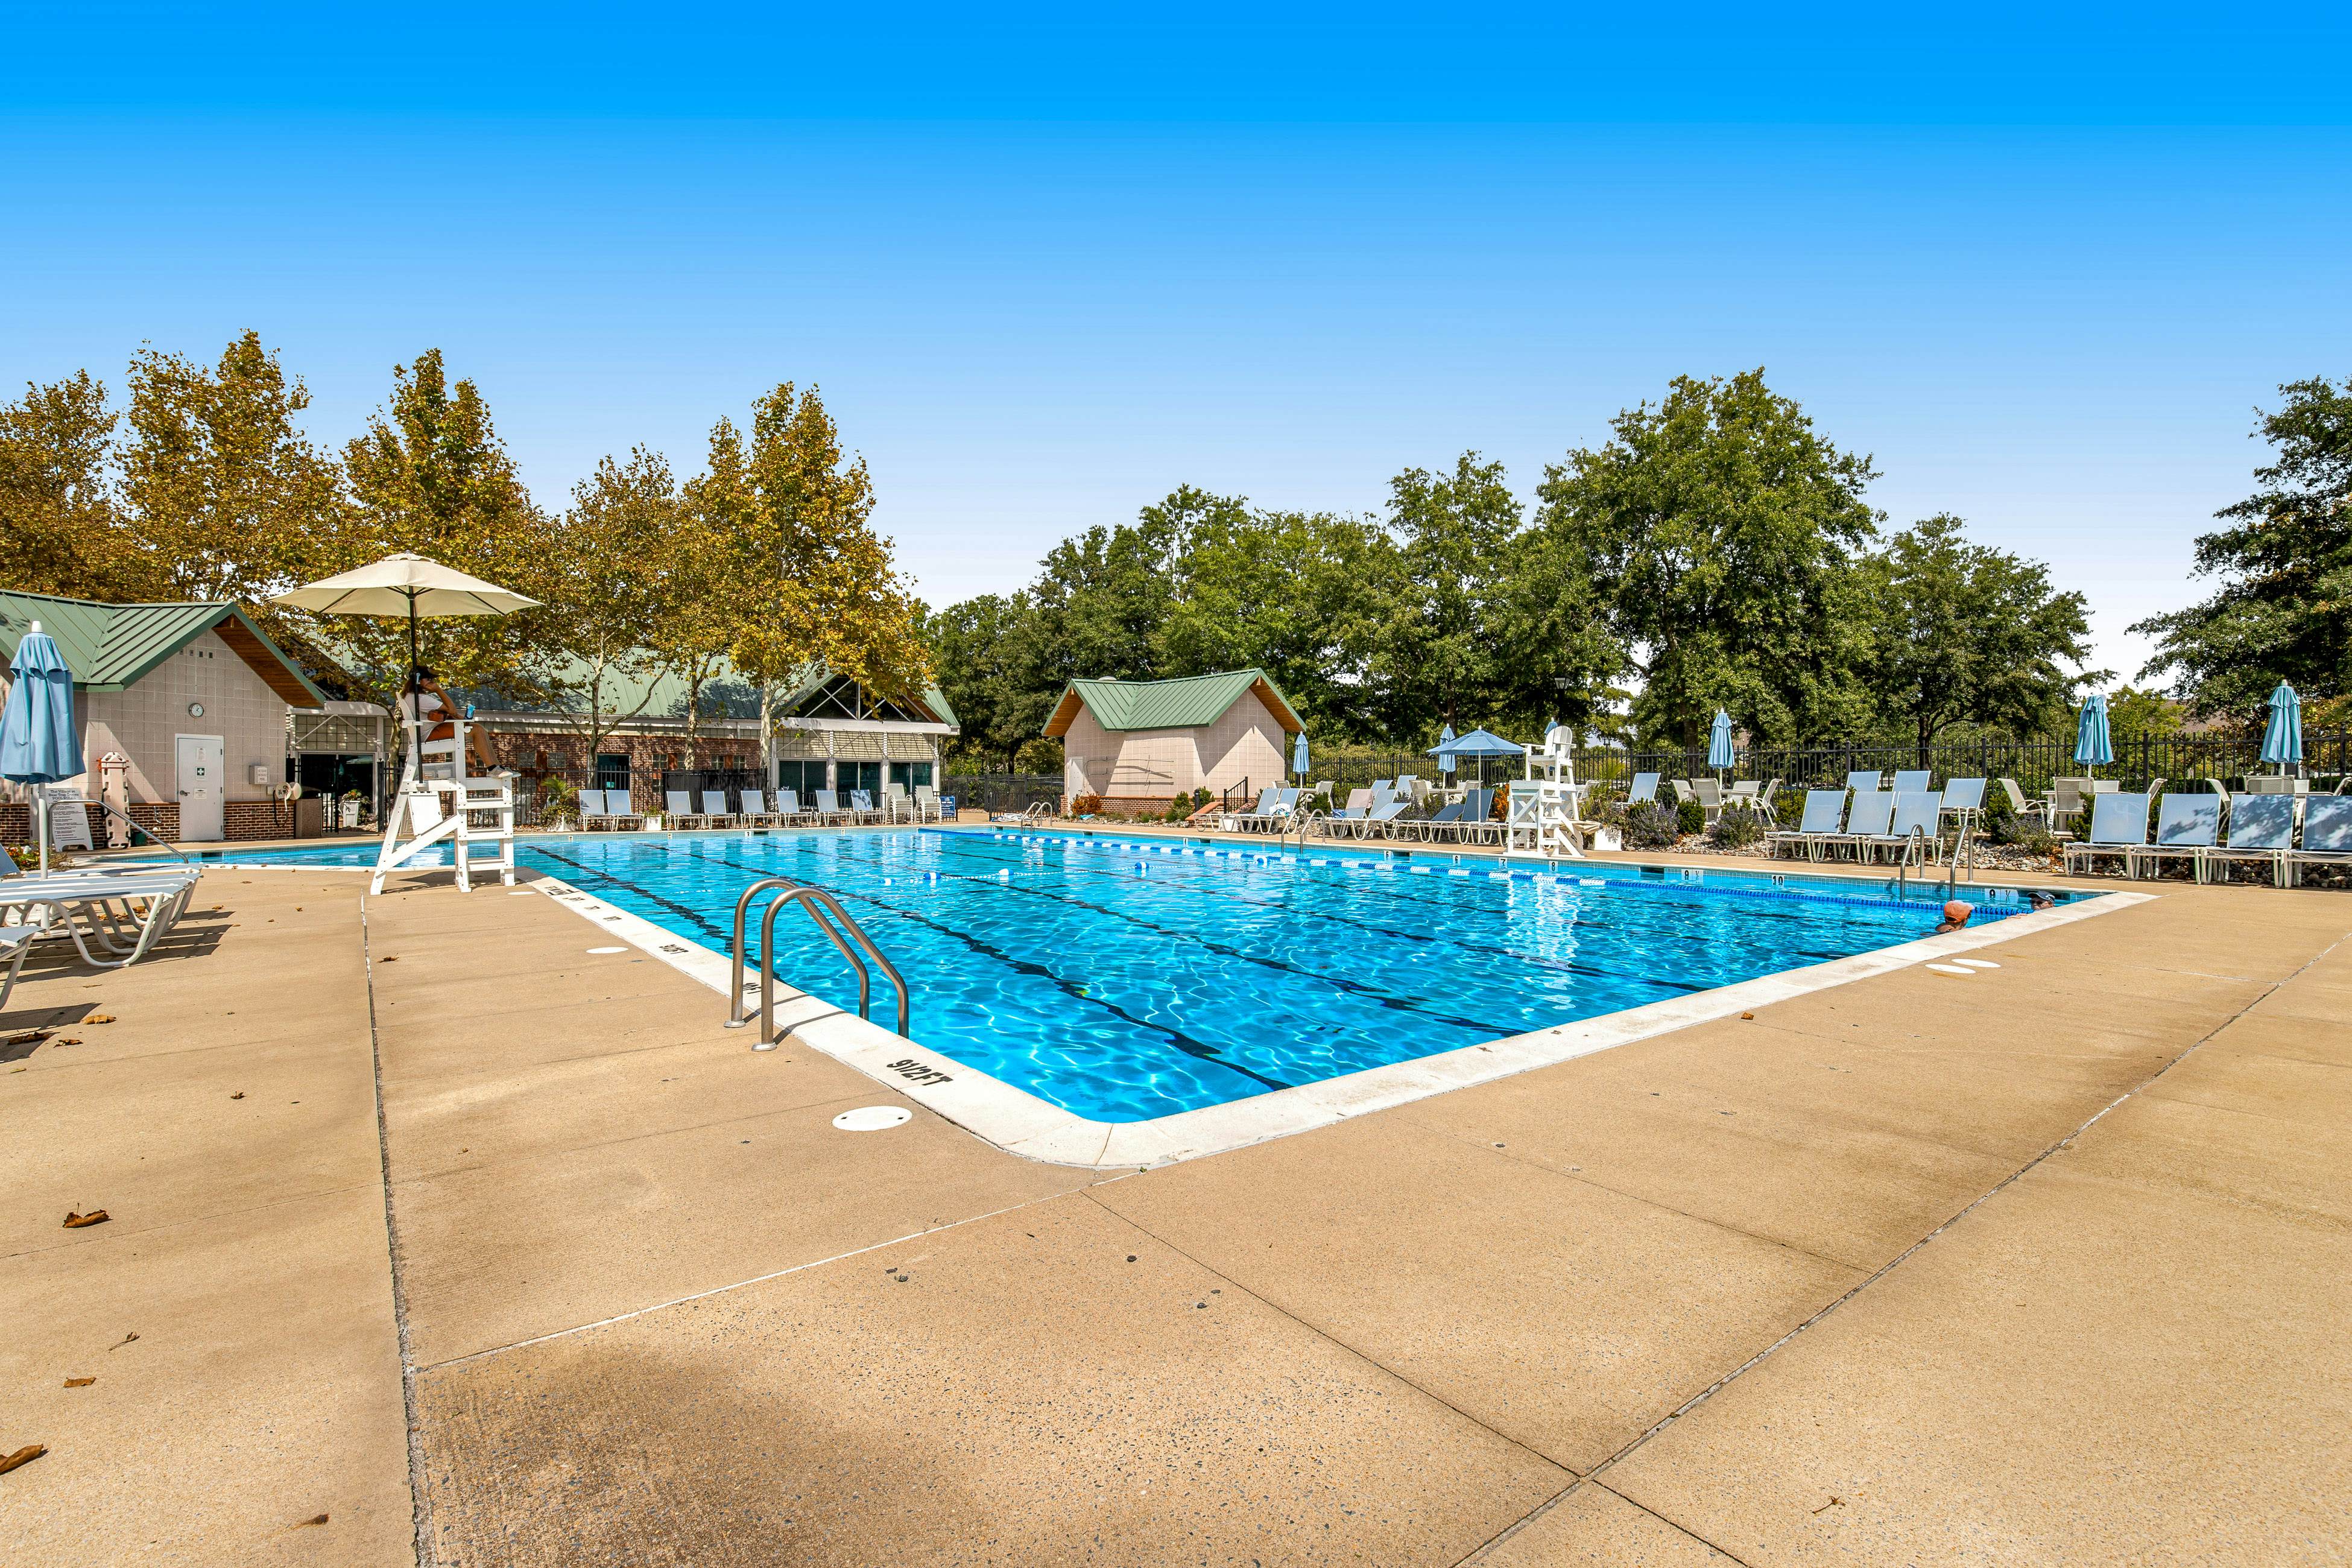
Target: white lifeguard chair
[
  {"x": 436, "y": 800},
  {"x": 1552, "y": 820}
]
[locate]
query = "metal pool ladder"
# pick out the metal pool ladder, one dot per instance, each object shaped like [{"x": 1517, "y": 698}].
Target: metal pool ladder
[{"x": 857, "y": 948}]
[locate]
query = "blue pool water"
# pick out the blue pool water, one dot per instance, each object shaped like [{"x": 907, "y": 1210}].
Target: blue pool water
[{"x": 1123, "y": 980}]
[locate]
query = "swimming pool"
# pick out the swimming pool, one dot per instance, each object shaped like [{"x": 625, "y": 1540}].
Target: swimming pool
[{"x": 1123, "y": 980}]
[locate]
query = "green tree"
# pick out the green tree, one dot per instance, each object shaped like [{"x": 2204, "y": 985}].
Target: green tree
[
  {"x": 224, "y": 494},
  {"x": 60, "y": 532},
  {"x": 1964, "y": 634},
  {"x": 1437, "y": 655},
  {"x": 431, "y": 476},
  {"x": 1287, "y": 591},
  {"x": 2284, "y": 609},
  {"x": 804, "y": 578},
  {"x": 986, "y": 650},
  {"x": 1718, "y": 530},
  {"x": 1102, "y": 598},
  {"x": 610, "y": 588},
  {"x": 2135, "y": 715}
]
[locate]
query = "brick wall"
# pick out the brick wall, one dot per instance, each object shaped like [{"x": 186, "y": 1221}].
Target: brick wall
[{"x": 159, "y": 817}]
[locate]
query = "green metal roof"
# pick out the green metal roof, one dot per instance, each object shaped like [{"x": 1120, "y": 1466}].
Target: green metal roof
[
  {"x": 110, "y": 647},
  {"x": 1180, "y": 704},
  {"x": 660, "y": 693}
]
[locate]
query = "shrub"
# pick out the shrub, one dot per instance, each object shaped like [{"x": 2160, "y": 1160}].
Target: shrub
[
  {"x": 1691, "y": 816},
  {"x": 1201, "y": 798},
  {"x": 1651, "y": 825},
  {"x": 1736, "y": 829},
  {"x": 1178, "y": 809},
  {"x": 1085, "y": 805}
]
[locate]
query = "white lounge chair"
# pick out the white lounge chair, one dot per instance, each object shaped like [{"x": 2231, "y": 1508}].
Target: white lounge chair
[
  {"x": 714, "y": 810},
  {"x": 1819, "y": 824},
  {"x": 1863, "y": 779},
  {"x": 16, "y": 941},
  {"x": 677, "y": 810},
  {"x": 2327, "y": 834},
  {"x": 927, "y": 804},
  {"x": 2262, "y": 833},
  {"x": 2186, "y": 826},
  {"x": 829, "y": 809},
  {"x": 861, "y": 802},
  {"x": 789, "y": 807},
  {"x": 1868, "y": 820},
  {"x": 1915, "y": 781},
  {"x": 123, "y": 912},
  {"x": 2118, "y": 827},
  {"x": 1643, "y": 791},
  {"x": 755, "y": 810},
  {"x": 1915, "y": 815}
]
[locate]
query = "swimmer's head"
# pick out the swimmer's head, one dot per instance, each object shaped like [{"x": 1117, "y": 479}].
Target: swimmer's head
[{"x": 1955, "y": 915}]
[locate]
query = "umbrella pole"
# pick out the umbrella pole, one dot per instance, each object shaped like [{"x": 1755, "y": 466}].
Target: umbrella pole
[{"x": 41, "y": 828}]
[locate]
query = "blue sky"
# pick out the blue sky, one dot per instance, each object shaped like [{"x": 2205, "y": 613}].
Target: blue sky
[{"x": 1046, "y": 269}]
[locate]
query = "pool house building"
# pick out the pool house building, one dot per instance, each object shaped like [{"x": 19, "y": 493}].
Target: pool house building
[
  {"x": 1137, "y": 744},
  {"x": 826, "y": 732}
]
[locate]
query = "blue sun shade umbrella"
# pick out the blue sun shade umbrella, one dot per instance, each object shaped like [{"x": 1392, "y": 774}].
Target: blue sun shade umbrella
[
  {"x": 1444, "y": 757},
  {"x": 1478, "y": 745},
  {"x": 1718, "y": 742},
  {"x": 2283, "y": 740},
  {"x": 39, "y": 743},
  {"x": 1298, "y": 756},
  {"x": 2092, "y": 747}
]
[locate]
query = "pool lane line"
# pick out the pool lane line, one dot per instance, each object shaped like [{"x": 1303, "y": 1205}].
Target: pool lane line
[
  {"x": 1586, "y": 969},
  {"x": 1334, "y": 983},
  {"x": 1657, "y": 911},
  {"x": 1200, "y": 1050},
  {"x": 1647, "y": 886}
]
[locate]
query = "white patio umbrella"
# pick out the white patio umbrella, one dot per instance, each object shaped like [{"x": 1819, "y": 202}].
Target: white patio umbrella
[{"x": 405, "y": 584}]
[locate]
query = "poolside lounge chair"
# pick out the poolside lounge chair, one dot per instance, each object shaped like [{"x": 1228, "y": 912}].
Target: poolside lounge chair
[
  {"x": 755, "y": 812},
  {"x": 1913, "y": 821},
  {"x": 1815, "y": 828},
  {"x": 1864, "y": 778},
  {"x": 895, "y": 803},
  {"x": 1382, "y": 821},
  {"x": 677, "y": 811},
  {"x": 16, "y": 941},
  {"x": 789, "y": 807},
  {"x": 1710, "y": 798},
  {"x": 1644, "y": 789},
  {"x": 1915, "y": 781},
  {"x": 1476, "y": 824},
  {"x": 927, "y": 804},
  {"x": 617, "y": 813},
  {"x": 2118, "y": 826},
  {"x": 2186, "y": 826},
  {"x": 123, "y": 911},
  {"x": 586, "y": 806},
  {"x": 829, "y": 809},
  {"x": 861, "y": 800},
  {"x": 1870, "y": 818},
  {"x": 2032, "y": 810},
  {"x": 715, "y": 812},
  {"x": 2326, "y": 835},
  {"x": 2262, "y": 833},
  {"x": 1444, "y": 823}
]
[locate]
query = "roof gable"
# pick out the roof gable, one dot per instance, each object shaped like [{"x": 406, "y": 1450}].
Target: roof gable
[
  {"x": 111, "y": 647},
  {"x": 1184, "y": 703}
]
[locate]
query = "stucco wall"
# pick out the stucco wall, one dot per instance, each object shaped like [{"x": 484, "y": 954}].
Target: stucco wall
[
  {"x": 141, "y": 723},
  {"x": 1246, "y": 744}
]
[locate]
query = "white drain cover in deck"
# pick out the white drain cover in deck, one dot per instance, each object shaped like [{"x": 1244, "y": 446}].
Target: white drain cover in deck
[
  {"x": 872, "y": 1118},
  {"x": 608, "y": 950}
]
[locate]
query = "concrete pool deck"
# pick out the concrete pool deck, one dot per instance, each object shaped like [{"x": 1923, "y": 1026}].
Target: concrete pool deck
[{"x": 509, "y": 1253}]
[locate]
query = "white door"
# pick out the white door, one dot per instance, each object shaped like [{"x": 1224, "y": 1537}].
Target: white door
[{"x": 203, "y": 782}]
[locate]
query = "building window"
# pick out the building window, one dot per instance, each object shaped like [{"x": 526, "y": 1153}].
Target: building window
[
  {"x": 612, "y": 770},
  {"x": 912, "y": 776}
]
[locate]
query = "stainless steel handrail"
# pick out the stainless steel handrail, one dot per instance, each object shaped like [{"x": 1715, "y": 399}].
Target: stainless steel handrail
[
  {"x": 817, "y": 902},
  {"x": 813, "y": 899}
]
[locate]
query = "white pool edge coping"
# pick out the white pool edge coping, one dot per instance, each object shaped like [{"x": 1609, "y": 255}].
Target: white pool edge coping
[{"x": 1021, "y": 1124}]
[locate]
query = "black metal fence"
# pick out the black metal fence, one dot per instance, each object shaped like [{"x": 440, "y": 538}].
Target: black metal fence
[
  {"x": 2032, "y": 764},
  {"x": 1001, "y": 792}
]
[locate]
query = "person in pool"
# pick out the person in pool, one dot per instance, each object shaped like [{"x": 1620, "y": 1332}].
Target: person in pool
[{"x": 1956, "y": 915}]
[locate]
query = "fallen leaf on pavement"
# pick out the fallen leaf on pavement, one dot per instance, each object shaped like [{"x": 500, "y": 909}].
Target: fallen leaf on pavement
[
  {"x": 121, "y": 1342},
  {"x": 1748, "y": 1015},
  {"x": 100, "y": 1018},
  {"x": 79, "y": 1381},
  {"x": 238, "y": 1095},
  {"x": 314, "y": 1518},
  {"x": 23, "y": 1455},
  {"x": 70, "y": 1040},
  {"x": 394, "y": 959},
  {"x": 76, "y": 1221}
]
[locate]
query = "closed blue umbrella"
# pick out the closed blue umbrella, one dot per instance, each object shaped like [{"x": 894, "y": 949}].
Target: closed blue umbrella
[
  {"x": 2283, "y": 740},
  {"x": 2092, "y": 746},
  {"x": 39, "y": 743},
  {"x": 1718, "y": 742},
  {"x": 1444, "y": 757},
  {"x": 1299, "y": 755}
]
